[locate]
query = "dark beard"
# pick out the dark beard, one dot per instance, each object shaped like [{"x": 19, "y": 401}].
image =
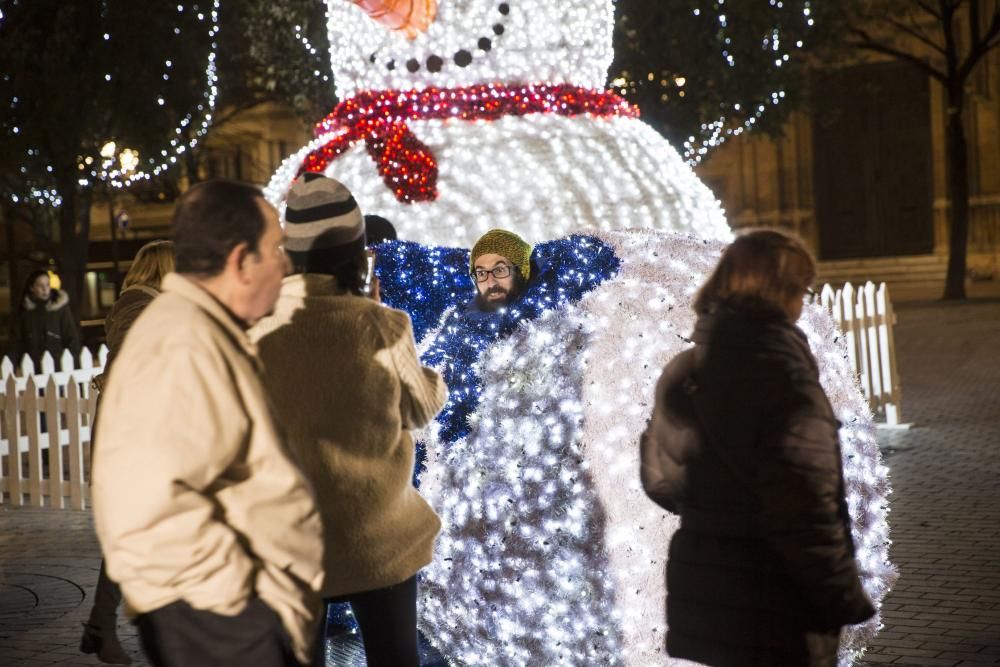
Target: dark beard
[{"x": 487, "y": 306}]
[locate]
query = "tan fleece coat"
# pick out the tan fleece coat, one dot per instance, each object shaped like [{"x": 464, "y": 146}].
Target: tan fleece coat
[
  {"x": 195, "y": 496},
  {"x": 347, "y": 384}
]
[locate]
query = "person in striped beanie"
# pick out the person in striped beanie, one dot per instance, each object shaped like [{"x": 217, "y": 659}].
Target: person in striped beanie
[
  {"x": 325, "y": 231},
  {"x": 345, "y": 380}
]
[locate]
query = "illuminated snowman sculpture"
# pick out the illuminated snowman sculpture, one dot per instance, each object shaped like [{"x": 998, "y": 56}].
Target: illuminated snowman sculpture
[{"x": 460, "y": 116}]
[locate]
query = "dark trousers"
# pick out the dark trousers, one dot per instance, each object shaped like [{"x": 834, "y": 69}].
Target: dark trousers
[
  {"x": 178, "y": 635},
  {"x": 388, "y": 620},
  {"x": 107, "y": 597}
]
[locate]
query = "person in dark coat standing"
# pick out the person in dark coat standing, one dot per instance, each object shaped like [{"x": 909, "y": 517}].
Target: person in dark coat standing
[
  {"x": 141, "y": 285},
  {"x": 743, "y": 445},
  {"x": 45, "y": 321}
]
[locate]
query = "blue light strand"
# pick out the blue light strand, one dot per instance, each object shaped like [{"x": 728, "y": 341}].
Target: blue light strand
[
  {"x": 423, "y": 281},
  {"x": 566, "y": 270}
]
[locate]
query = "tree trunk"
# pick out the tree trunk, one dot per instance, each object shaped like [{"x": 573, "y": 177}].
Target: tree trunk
[
  {"x": 74, "y": 237},
  {"x": 958, "y": 185},
  {"x": 14, "y": 286}
]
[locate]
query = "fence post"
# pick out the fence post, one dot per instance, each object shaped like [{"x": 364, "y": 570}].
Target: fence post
[
  {"x": 10, "y": 413},
  {"x": 855, "y": 335},
  {"x": 66, "y": 361},
  {"x": 54, "y": 423},
  {"x": 32, "y": 412},
  {"x": 872, "y": 330},
  {"x": 76, "y": 481},
  {"x": 893, "y": 393}
]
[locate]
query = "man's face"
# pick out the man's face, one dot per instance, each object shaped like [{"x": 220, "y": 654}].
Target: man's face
[
  {"x": 41, "y": 289},
  {"x": 493, "y": 291},
  {"x": 266, "y": 267}
]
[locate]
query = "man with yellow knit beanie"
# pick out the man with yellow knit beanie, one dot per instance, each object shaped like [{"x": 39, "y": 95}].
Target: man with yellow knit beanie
[{"x": 500, "y": 266}]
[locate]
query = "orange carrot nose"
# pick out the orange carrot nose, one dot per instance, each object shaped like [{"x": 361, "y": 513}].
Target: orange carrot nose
[{"x": 409, "y": 16}]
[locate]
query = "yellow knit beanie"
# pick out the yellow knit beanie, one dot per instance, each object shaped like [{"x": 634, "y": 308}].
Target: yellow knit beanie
[{"x": 506, "y": 244}]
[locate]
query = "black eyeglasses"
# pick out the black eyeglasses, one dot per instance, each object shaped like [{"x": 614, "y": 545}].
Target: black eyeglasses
[{"x": 499, "y": 272}]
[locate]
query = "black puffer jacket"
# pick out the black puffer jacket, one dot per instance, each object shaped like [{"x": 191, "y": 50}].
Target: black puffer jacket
[
  {"x": 743, "y": 445},
  {"x": 47, "y": 326}
]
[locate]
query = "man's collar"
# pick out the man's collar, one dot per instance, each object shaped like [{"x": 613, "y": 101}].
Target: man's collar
[{"x": 175, "y": 283}]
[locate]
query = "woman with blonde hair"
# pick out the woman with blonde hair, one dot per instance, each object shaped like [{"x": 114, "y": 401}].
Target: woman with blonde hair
[
  {"x": 743, "y": 445},
  {"x": 141, "y": 285}
]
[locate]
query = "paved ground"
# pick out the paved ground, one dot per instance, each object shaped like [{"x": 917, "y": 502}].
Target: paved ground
[
  {"x": 945, "y": 473},
  {"x": 945, "y": 609}
]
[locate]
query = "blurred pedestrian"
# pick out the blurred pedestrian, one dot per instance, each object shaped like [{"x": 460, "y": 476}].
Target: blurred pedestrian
[
  {"x": 141, "y": 285},
  {"x": 343, "y": 373},
  {"x": 743, "y": 444},
  {"x": 45, "y": 321},
  {"x": 205, "y": 522}
]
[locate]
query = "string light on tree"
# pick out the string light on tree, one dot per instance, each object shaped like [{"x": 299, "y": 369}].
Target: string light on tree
[
  {"x": 189, "y": 130},
  {"x": 751, "y": 49},
  {"x": 200, "y": 118}
]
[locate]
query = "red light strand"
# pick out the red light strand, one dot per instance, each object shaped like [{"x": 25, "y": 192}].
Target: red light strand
[{"x": 406, "y": 164}]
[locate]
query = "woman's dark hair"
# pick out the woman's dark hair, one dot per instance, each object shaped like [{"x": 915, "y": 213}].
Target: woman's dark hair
[
  {"x": 210, "y": 220},
  {"x": 378, "y": 229},
  {"x": 763, "y": 270},
  {"x": 349, "y": 266}
]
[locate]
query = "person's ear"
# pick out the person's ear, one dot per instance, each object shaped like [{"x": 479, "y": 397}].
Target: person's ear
[{"x": 237, "y": 260}]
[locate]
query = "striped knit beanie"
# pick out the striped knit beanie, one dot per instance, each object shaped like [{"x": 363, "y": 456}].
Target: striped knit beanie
[
  {"x": 506, "y": 244},
  {"x": 323, "y": 223}
]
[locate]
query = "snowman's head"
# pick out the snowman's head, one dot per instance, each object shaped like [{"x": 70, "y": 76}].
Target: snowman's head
[{"x": 473, "y": 42}]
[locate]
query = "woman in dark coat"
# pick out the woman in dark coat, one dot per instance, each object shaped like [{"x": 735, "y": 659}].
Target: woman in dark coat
[
  {"x": 45, "y": 322},
  {"x": 743, "y": 445},
  {"x": 141, "y": 285}
]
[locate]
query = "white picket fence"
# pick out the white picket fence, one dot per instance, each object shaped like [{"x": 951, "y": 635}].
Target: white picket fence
[
  {"x": 866, "y": 317},
  {"x": 37, "y": 410}
]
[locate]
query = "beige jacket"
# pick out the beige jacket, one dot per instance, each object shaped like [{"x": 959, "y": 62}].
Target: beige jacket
[
  {"x": 195, "y": 497},
  {"x": 348, "y": 386}
]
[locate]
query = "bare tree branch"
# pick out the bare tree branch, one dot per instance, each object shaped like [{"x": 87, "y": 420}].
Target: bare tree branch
[
  {"x": 981, "y": 46},
  {"x": 974, "y": 22},
  {"x": 928, "y": 8},
  {"x": 862, "y": 40},
  {"x": 914, "y": 32}
]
